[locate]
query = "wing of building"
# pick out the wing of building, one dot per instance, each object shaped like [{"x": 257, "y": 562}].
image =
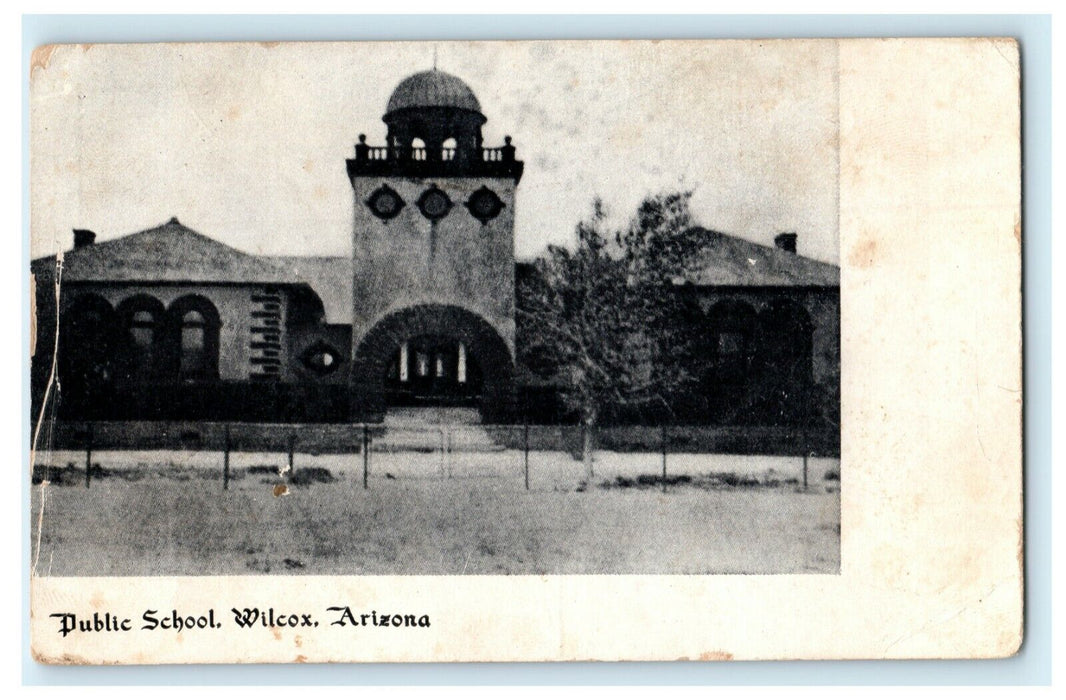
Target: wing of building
[{"x": 168, "y": 323}]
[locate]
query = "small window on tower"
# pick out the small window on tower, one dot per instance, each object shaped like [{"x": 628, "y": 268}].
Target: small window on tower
[
  {"x": 484, "y": 205},
  {"x": 447, "y": 151},
  {"x": 418, "y": 149},
  {"x": 434, "y": 203},
  {"x": 385, "y": 203}
]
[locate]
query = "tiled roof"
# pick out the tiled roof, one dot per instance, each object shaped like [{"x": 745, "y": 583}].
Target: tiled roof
[
  {"x": 169, "y": 253},
  {"x": 173, "y": 253},
  {"x": 731, "y": 261}
]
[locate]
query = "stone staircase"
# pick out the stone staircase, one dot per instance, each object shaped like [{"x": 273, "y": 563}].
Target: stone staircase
[{"x": 431, "y": 429}]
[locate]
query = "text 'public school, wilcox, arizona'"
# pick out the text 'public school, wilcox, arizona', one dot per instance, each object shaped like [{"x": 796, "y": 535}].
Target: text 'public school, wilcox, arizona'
[{"x": 169, "y": 324}]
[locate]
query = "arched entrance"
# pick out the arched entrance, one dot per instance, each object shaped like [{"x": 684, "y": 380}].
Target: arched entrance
[{"x": 433, "y": 355}]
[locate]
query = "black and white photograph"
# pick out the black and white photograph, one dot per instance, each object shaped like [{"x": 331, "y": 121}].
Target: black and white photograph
[
  {"x": 492, "y": 315},
  {"x": 442, "y": 309}
]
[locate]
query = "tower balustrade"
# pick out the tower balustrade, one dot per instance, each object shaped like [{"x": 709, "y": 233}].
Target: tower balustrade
[{"x": 432, "y": 162}]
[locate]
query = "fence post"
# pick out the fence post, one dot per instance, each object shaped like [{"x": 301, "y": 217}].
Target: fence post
[
  {"x": 525, "y": 448},
  {"x": 225, "y": 459},
  {"x": 88, "y": 454},
  {"x": 662, "y": 440},
  {"x": 292, "y": 450},
  {"x": 448, "y": 450},
  {"x": 806, "y": 452},
  {"x": 443, "y": 460},
  {"x": 366, "y": 454}
]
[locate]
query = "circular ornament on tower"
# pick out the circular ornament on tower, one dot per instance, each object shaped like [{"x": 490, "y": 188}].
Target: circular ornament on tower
[
  {"x": 434, "y": 203},
  {"x": 385, "y": 202},
  {"x": 484, "y": 205}
]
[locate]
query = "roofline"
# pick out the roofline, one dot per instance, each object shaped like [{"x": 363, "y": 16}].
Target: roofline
[
  {"x": 53, "y": 256},
  {"x": 173, "y": 221},
  {"x": 176, "y": 283},
  {"x": 771, "y": 248}
]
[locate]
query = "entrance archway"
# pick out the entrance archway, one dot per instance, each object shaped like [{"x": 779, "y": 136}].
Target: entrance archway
[{"x": 433, "y": 355}]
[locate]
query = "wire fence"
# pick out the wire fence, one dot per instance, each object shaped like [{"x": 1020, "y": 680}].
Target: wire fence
[{"x": 531, "y": 455}]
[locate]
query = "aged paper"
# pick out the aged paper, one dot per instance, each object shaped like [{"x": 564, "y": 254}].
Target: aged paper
[{"x": 323, "y": 373}]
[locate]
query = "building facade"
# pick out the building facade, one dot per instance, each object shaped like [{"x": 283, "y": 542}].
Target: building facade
[{"x": 169, "y": 324}]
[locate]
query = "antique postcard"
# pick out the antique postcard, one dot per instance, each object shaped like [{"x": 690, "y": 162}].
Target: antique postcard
[{"x": 523, "y": 351}]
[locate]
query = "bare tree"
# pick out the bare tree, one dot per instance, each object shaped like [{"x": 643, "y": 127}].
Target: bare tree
[{"x": 602, "y": 318}]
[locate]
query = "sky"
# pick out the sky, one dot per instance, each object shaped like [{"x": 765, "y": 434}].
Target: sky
[{"x": 246, "y": 143}]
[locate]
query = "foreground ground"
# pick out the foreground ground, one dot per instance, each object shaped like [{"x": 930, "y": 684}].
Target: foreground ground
[{"x": 166, "y": 513}]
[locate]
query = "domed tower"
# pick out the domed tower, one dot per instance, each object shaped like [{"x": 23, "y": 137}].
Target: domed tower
[
  {"x": 435, "y": 108},
  {"x": 433, "y": 256}
]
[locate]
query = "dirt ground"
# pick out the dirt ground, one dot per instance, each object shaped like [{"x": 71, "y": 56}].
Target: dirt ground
[{"x": 166, "y": 513}]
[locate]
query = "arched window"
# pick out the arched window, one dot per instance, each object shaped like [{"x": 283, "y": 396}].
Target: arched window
[
  {"x": 193, "y": 358},
  {"x": 447, "y": 151},
  {"x": 194, "y": 330},
  {"x": 418, "y": 149},
  {"x": 786, "y": 341},
  {"x": 87, "y": 344},
  {"x": 731, "y": 327},
  {"x": 142, "y": 319},
  {"x": 142, "y": 330}
]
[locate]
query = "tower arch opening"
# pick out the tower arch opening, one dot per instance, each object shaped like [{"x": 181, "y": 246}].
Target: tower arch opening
[{"x": 434, "y": 355}]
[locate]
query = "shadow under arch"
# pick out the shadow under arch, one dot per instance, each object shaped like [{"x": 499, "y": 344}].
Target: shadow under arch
[
  {"x": 192, "y": 338},
  {"x": 730, "y": 329},
  {"x": 378, "y": 346},
  {"x": 787, "y": 340},
  {"x": 142, "y": 319},
  {"x": 88, "y": 340}
]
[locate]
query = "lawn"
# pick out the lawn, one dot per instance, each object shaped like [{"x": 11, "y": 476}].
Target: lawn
[{"x": 166, "y": 513}]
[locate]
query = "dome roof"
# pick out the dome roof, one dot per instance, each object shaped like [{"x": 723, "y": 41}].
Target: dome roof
[{"x": 433, "y": 88}]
